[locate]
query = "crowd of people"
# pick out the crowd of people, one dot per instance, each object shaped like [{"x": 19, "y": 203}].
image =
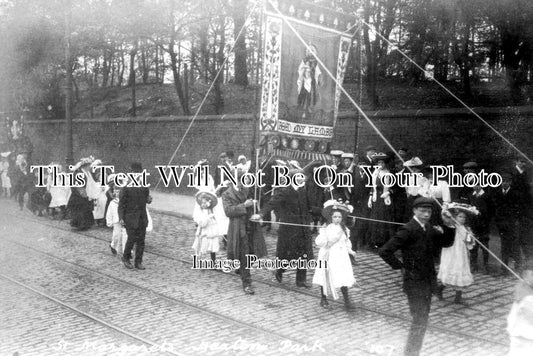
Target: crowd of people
[
  {"x": 435, "y": 227},
  {"x": 439, "y": 230}
]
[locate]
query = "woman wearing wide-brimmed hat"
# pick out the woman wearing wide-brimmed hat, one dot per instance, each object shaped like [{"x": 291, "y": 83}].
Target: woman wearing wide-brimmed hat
[
  {"x": 380, "y": 203},
  {"x": 80, "y": 205}
]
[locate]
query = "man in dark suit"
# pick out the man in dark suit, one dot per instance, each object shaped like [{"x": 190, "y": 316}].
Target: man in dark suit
[
  {"x": 418, "y": 240},
  {"x": 244, "y": 236},
  {"x": 480, "y": 224},
  {"x": 291, "y": 206},
  {"x": 133, "y": 216},
  {"x": 506, "y": 200},
  {"x": 521, "y": 184}
]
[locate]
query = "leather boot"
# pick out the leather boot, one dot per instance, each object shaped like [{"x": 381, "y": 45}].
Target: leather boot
[
  {"x": 439, "y": 293},
  {"x": 347, "y": 302},
  {"x": 323, "y": 300},
  {"x": 459, "y": 298}
]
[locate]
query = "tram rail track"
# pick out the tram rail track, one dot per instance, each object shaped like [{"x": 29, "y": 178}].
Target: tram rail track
[
  {"x": 256, "y": 280},
  {"x": 180, "y": 303},
  {"x": 152, "y": 345}
]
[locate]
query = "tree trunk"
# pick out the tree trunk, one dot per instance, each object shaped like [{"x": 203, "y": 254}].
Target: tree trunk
[
  {"x": 113, "y": 69},
  {"x": 465, "y": 69},
  {"x": 186, "y": 85},
  {"x": 76, "y": 89},
  {"x": 219, "y": 68},
  {"x": 108, "y": 59},
  {"x": 131, "y": 80},
  {"x": 104, "y": 70},
  {"x": 204, "y": 53},
  {"x": 157, "y": 64},
  {"x": 122, "y": 65},
  {"x": 192, "y": 62},
  {"x": 240, "y": 65},
  {"x": 145, "y": 70},
  {"x": 96, "y": 70},
  {"x": 371, "y": 75},
  {"x": 177, "y": 79}
]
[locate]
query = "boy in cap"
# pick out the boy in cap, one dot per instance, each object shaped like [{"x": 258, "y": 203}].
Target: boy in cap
[{"x": 418, "y": 240}]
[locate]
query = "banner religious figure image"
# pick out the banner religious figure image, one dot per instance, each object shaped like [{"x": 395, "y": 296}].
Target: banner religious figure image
[{"x": 299, "y": 101}]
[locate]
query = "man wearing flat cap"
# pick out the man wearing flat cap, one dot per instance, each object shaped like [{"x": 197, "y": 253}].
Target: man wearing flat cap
[{"x": 418, "y": 240}]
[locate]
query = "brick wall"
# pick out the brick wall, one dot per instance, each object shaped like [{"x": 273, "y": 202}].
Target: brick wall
[{"x": 444, "y": 136}]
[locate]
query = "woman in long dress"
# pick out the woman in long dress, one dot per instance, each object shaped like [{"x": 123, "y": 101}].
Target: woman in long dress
[
  {"x": 380, "y": 203},
  {"x": 334, "y": 266},
  {"x": 454, "y": 270},
  {"x": 96, "y": 192},
  {"x": 80, "y": 205},
  {"x": 59, "y": 194}
]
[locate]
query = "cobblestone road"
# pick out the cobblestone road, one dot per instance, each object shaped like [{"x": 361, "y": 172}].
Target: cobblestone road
[{"x": 171, "y": 309}]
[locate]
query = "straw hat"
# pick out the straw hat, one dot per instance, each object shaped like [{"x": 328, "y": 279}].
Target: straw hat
[
  {"x": 465, "y": 208},
  {"x": 413, "y": 162},
  {"x": 206, "y": 195},
  {"x": 332, "y": 204}
]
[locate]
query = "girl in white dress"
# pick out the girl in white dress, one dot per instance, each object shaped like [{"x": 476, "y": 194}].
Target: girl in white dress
[
  {"x": 218, "y": 209},
  {"x": 208, "y": 236},
  {"x": 119, "y": 236},
  {"x": 454, "y": 267},
  {"x": 334, "y": 266}
]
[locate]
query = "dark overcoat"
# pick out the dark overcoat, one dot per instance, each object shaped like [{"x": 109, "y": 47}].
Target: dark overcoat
[
  {"x": 291, "y": 206},
  {"x": 418, "y": 247},
  {"x": 132, "y": 207},
  {"x": 244, "y": 236}
]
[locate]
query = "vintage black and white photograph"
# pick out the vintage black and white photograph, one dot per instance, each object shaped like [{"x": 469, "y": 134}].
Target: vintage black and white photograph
[{"x": 266, "y": 177}]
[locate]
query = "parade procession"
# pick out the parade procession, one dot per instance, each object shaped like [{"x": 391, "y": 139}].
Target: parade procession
[{"x": 266, "y": 177}]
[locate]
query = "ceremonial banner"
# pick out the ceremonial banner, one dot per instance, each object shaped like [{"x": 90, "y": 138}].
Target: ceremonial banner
[{"x": 299, "y": 101}]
